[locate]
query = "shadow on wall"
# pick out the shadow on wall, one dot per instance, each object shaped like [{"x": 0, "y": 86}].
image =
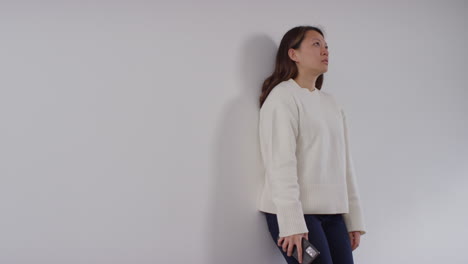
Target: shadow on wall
[{"x": 236, "y": 231}]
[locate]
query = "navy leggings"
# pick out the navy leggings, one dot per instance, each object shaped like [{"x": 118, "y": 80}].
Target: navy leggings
[{"x": 327, "y": 232}]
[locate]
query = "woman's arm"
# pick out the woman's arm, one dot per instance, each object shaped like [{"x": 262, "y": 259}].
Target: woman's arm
[
  {"x": 354, "y": 219},
  {"x": 278, "y": 131}
]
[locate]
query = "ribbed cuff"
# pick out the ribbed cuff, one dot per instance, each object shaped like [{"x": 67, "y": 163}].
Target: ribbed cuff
[
  {"x": 291, "y": 220},
  {"x": 354, "y": 221}
]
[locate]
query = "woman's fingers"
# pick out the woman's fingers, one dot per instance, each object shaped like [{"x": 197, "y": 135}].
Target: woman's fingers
[
  {"x": 285, "y": 245},
  {"x": 299, "y": 249},
  {"x": 351, "y": 239},
  {"x": 290, "y": 248},
  {"x": 280, "y": 241},
  {"x": 288, "y": 244},
  {"x": 355, "y": 238}
]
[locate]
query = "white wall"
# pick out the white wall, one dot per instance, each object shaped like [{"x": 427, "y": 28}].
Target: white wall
[{"x": 129, "y": 128}]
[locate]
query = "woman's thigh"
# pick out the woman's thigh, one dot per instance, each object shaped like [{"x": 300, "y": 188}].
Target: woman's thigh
[
  {"x": 338, "y": 239},
  {"x": 316, "y": 236}
]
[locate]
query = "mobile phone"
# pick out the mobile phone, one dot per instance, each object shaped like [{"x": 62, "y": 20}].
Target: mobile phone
[{"x": 309, "y": 252}]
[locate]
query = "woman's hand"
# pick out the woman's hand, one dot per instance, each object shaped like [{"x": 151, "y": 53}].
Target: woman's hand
[
  {"x": 355, "y": 237},
  {"x": 289, "y": 242}
]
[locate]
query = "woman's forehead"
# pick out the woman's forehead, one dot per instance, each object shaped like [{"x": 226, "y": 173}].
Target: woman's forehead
[{"x": 314, "y": 35}]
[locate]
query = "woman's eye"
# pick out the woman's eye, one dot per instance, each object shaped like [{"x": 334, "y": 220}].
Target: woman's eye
[{"x": 316, "y": 43}]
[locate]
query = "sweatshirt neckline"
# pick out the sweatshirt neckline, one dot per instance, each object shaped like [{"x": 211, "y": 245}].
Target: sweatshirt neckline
[{"x": 302, "y": 88}]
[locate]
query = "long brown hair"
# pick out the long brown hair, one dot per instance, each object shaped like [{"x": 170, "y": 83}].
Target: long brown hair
[{"x": 285, "y": 68}]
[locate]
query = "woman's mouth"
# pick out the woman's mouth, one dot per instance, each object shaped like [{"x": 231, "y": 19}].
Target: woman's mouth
[{"x": 325, "y": 61}]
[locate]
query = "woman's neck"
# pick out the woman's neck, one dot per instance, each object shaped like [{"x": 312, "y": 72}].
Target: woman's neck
[{"x": 306, "y": 81}]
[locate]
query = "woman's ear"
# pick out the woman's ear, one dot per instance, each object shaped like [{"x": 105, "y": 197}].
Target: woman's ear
[{"x": 292, "y": 54}]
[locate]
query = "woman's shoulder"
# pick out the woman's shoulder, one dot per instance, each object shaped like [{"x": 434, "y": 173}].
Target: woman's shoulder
[
  {"x": 282, "y": 89},
  {"x": 282, "y": 93}
]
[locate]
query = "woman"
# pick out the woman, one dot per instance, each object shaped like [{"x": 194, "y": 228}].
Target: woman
[{"x": 310, "y": 187}]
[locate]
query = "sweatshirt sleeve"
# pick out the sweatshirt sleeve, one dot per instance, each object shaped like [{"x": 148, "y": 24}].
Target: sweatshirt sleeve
[
  {"x": 354, "y": 218},
  {"x": 278, "y": 131}
]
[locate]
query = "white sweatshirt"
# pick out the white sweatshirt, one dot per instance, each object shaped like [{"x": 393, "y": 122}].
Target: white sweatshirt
[{"x": 306, "y": 155}]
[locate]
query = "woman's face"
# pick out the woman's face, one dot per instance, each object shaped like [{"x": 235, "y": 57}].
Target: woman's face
[{"x": 312, "y": 54}]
